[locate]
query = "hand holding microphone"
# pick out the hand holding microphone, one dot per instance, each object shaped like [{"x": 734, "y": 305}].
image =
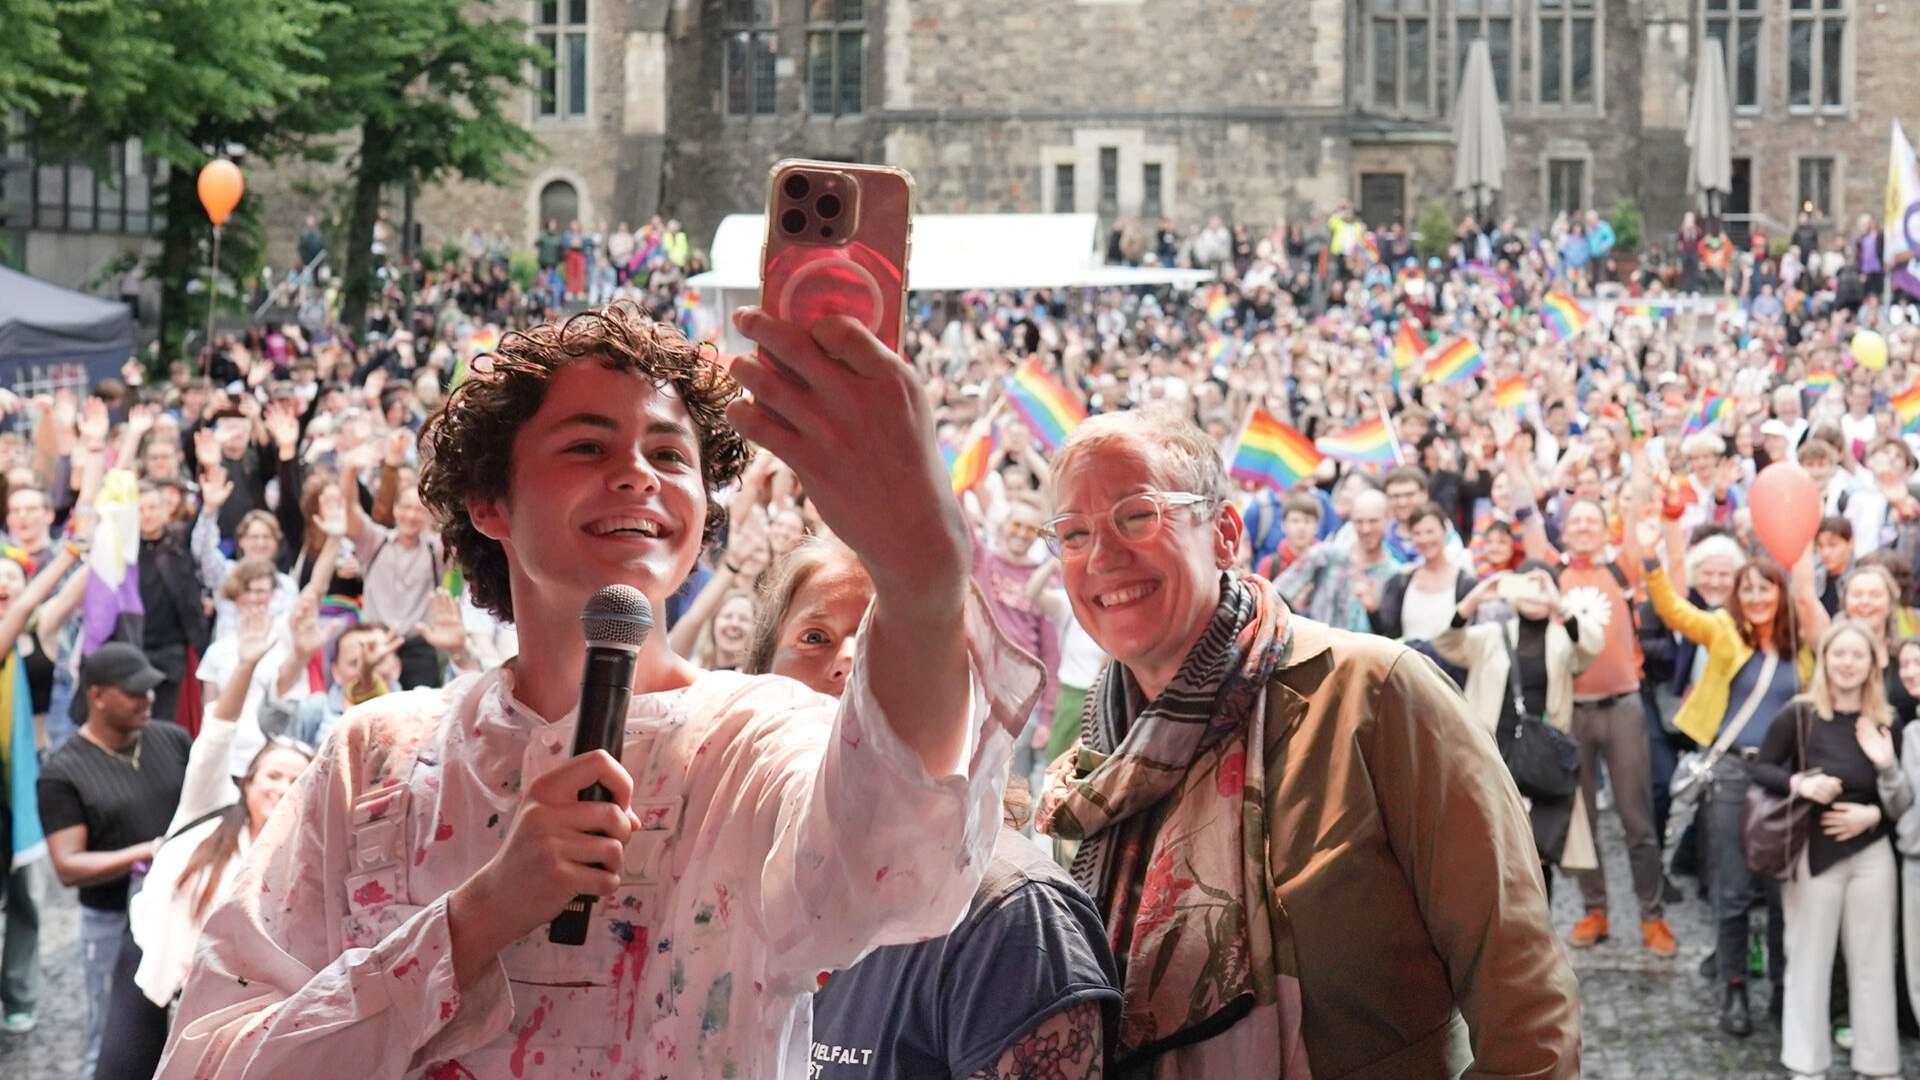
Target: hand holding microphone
[
  {"x": 567, "y": 840},
  {"x": 616, "y": 622}
]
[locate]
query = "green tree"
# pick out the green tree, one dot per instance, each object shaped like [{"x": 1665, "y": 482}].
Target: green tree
[
  {"x": 191, "y": 80},
  {"x": 1434, "y": 230},
  {"x": 1629, "y": 224},
  {"x": 33, "y": 65},
  {"x": 425, "y": 83}
]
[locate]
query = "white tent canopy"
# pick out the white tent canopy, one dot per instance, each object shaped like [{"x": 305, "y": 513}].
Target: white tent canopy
[{"x": 951, "y": 252}]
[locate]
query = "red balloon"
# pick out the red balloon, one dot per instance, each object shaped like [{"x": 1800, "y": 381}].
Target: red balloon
[{"x": 1786, "y": 510}]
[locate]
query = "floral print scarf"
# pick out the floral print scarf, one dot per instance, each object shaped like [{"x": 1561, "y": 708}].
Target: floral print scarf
[{"x": 1168, "y": 801}]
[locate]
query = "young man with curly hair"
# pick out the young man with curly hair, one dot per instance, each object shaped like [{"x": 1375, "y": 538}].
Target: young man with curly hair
[{"x": 394, "y": 915}]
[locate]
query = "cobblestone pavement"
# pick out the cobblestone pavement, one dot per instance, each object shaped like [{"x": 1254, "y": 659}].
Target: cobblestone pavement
[
  {"x": 52, "y": 1051},
  {"x": 1652, "y": 1019},
  {"x": 1645, "y": 1018}
]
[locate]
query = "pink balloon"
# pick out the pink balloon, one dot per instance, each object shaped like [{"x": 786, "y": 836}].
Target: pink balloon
[{"x": 1786, "y": 510}]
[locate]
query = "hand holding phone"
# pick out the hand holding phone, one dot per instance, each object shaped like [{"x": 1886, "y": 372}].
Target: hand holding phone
[{"x": 837, "y": 244}]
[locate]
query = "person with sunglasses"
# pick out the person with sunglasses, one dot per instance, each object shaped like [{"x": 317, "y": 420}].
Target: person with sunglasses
[{"x": 1312, "y": 802}]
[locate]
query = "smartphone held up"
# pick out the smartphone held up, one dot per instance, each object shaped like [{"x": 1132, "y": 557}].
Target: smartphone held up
[{"x": 838, "y": 238}]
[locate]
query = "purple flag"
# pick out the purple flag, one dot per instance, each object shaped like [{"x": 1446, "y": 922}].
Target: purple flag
[{"x": 104, "y": 608}]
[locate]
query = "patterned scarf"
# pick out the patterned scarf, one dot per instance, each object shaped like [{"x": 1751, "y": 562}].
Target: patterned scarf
[{"x": 1168, "y": 801}]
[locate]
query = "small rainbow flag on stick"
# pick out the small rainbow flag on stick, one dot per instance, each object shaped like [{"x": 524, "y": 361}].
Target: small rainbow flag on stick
[
  {"x": 968, "y": 464},
  {"x": 1512, "y": 394},
  {"x": 1270, "y": 452},
  {"x": 1820, "y": 380},
  {"x": 1563, "y": 315},
  {"x": 1707, "y": 412},
  {"x": 1460, "y": 360},
  {"x": 1047, "y": 406},
  {"x": 1366, "y": 443},
  {"x": 1906, "y": 406}
]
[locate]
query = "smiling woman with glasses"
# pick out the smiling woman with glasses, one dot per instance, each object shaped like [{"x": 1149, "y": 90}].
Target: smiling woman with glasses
[{"x": 1330, "y": 817}]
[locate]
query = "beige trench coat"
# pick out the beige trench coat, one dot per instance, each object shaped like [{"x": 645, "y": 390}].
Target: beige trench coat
[{"x": 1408, "y": 894}]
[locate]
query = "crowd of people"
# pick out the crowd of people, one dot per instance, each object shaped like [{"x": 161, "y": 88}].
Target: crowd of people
[{"x": 304, "y": 535}]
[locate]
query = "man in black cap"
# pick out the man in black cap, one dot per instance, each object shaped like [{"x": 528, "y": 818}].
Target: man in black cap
[{"x": 105, "y": 800}]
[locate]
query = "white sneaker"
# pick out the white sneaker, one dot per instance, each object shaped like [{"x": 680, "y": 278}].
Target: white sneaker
[{"x": 18, "y": 1023}]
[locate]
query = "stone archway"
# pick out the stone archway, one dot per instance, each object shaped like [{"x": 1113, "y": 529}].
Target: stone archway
[{"x": 548, "y": 189}]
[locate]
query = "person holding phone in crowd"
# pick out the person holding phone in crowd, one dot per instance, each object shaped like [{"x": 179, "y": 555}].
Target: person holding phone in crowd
[
  {"x": 394, "y": 913},
  {"x": 1521, "y": 670}
]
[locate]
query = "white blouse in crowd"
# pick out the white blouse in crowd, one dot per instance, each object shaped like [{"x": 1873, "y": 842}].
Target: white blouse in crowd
[
  {"x": 160, "y": 915},
  {"x": 783, "y": 835}
]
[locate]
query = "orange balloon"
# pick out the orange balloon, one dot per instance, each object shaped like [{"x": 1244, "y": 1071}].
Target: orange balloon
[
  {"x": 220, "y": 188},
  {"x": 1786, "y": 510}
]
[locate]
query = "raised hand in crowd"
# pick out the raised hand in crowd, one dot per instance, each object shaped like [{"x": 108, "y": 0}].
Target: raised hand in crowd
[
  {"x": 283, "y": 424},
  {"x": 444, "y": 628},
  {"x": 215, "y": 488}
]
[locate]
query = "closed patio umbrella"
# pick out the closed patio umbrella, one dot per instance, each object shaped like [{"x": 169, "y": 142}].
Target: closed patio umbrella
[
  {"x": 1710, "y": 129},
  {"x": 1479, "y": 137}
]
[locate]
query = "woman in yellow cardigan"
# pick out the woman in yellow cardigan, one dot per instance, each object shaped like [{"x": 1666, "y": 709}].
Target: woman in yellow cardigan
[{"x": 1757, "y": 660}]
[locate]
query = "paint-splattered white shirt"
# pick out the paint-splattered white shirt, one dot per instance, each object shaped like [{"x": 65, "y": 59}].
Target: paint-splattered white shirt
[{"x": 783, "y": 835}]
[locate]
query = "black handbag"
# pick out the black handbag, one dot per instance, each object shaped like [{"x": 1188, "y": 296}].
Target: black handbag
[
  {"x": 1543, "y": 760},
  {"x": 1773, "y": 828}
]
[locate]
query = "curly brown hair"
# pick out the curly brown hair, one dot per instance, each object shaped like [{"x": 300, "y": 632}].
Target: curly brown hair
[{"x": 467, "y": 444}]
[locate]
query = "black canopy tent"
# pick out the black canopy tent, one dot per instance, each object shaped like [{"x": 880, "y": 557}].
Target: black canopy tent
[{"x": 47, "y": 331}]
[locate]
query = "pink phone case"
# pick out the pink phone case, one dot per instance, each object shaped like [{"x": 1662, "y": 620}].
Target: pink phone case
[{"x": 838, "y": 239}]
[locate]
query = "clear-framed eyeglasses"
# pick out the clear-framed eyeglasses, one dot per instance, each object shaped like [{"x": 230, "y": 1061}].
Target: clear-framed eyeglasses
[{"x": 1135, "y": 520}]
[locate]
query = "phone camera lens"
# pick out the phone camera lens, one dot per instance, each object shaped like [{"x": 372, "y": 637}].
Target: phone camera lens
[
  {"x": 828, "y": 207},
  {"x": 797, "y": 186},
  {"x": 826, "y": 232},
  {"x": 794, "y": 221}
]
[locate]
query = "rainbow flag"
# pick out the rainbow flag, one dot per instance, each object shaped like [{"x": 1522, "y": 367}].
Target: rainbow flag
[
  {"x": 967, "y": 465},
  {"x": 1220, "y": 351},
  {"x": 20, "y": 761},
  {"x": 1366, "y": 443},
  {"x": 340, "y": 606},
  {"x": 1562, "y": 315},
  {"x": 1906, "y": 406},
  {"x": 1512, "y": 394},
  {"x": 1270, "y": 452},
  {"x": 1219, "y": 308},
  {"x": 1408, "y": 347},
  {"x": 1371, "y": 245},
  {"x": 1047, "y": 406},
  {"x": 1406, "y": 274},
  {"x": 1820, "y": 380},
  {"x": 1707, "y": 412},
  {"x": 1460, "y": 360},
  {"x": 484, "y": 340}
]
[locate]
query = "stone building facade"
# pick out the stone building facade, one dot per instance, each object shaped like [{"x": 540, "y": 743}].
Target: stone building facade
[{"x": 1251, "y": 109}]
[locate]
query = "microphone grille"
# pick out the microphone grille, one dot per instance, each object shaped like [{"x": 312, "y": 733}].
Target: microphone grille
[{"x": 617, "y": 615}]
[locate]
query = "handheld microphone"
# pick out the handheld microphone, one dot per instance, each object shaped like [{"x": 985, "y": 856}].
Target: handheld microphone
[{"x": 615, "y": 623}]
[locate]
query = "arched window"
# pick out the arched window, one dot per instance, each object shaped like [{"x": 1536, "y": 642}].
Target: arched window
[{"x": 559, "y": 202}]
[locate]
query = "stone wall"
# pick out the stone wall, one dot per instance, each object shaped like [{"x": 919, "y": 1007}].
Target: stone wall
[{"x": 1253, "y": 109}]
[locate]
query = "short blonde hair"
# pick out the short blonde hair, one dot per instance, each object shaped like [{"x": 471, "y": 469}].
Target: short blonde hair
[
  {"x": 1184, "y": 457},
  {"x": 1873, "y": 695}
]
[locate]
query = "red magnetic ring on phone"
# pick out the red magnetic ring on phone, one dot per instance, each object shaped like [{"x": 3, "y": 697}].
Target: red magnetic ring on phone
[{"x": 832, "y": 284}]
